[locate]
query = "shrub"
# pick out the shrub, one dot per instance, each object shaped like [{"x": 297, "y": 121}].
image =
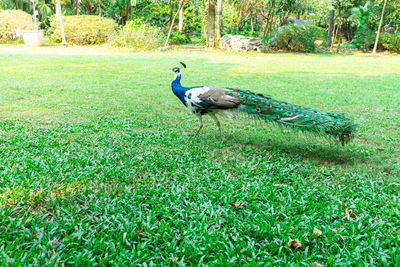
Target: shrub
[
  {"x": 300, "y": 38},
  {"x": 82, "y": 29},
  {"x": 364, "y": 38},
  {"x": 12, "y": 21},
  {"x": 137, "y": 36},
  {"x": 390, "y": 42},
  {"x": 178, "y": 38}
]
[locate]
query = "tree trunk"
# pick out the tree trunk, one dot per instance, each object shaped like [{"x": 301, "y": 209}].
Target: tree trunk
[
  {"x": 171, "y": 13},
  {"x": 339, "y": 28},
  {"x": 76, "y": 4},
  {"x": 331, "y": 23},
  {"x": 204, "y": 20},
  {"x": 173, "y": 20},
  {"x": 98, "y": 3},
  {"x": 181, "y": 19},
  {"x": 211, "y": 24},
  {"x": 22, "y": 5},
  {"x": 219, "y": 19},
  {"x": 379, "y": 29},
  {"x": 59, "y": 16},
  {"x": 130, "y": 9},
  {"x": 34, "y": 15}
]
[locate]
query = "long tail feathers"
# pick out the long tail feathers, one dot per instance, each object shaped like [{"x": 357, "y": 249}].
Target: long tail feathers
[{"x": 334, "y": 124}]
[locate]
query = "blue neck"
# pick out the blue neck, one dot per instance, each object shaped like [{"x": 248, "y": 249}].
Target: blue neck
[{"x": 178, "y": 89}]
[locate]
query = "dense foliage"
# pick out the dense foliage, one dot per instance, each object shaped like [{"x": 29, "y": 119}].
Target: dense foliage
[
  {"x": 12, "y": 22},
  {"x": 364, "y": 38},
  {"x": 83, "y": 29},
  {"x": 390, "y": 42},
  {"x": 138, "y": 36},
  {"x": 354, "y": 21},
  {"x": 300, "y": 38}
]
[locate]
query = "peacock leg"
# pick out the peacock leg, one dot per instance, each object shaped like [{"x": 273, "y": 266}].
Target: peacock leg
[
  {"x": 219, "y": 126},
  {"x": 201, "y": 126}
]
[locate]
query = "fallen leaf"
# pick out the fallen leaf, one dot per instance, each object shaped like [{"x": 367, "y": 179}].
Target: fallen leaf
[
  {"x": 213, "y": 223},
  {"x": 317, "y": 232},
  {"x": 352, "y": 213},
  {"x": 380, "y": 149},
  {"x": 373, "y": 133},
  {"x": 286, "y": 131},
  {"x": 346, "y": 212},
  {"x": 139, "y": 232},
  {"x": 243, "y": 187},
  {"x": 316, "y": 264},
  {"x": 359, "y": 134},
  {"x": 172, "y": 260},
  {"x": 336, "y": 229},
  {"x": 294, "y": 243},
  {"x": 277, "y": 184},
  {"x": 140, "y": 158},
  {"x": 236, "y": 205}
]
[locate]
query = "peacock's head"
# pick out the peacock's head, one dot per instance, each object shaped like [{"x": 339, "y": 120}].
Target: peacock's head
[{"x": 178, "y": 70}]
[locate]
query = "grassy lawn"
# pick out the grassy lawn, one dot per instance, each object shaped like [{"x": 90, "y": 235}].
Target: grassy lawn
[{"x": 98, "y": 164}]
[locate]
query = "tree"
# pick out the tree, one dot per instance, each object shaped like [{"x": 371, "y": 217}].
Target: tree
[
  {"x": 76, "y": 4},
  {"x": 331, "y": 24},
  {"x": 173, "y": 21},
  {"x": 219, "y": 19},
  {"x": 59, "y": 16},
  {"x": 379, "y": 28},
  {"x": 181, "y": 14},
  {"x": 211, "y": 24}
]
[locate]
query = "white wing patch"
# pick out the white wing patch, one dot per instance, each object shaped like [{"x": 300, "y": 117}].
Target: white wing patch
[{"x": 192, "y": 97}]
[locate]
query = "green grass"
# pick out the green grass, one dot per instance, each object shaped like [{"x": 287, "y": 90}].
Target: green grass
[{"x": 98, "y": 164}]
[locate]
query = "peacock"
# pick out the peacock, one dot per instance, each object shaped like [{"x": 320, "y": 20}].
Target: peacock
[{"x": 211, "y": 100}]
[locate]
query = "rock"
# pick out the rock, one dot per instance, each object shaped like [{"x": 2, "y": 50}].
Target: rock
[
  {"x": 240, "y": 43},
  {"x": 163, "y": 49},
  {"x": 318, "y": 42},
  {"x": 390, "y": 30},
  {"x": 300, "y": 21}
]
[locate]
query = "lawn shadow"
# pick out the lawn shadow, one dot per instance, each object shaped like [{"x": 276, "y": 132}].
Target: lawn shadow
[{"x": 328, "y": 153}]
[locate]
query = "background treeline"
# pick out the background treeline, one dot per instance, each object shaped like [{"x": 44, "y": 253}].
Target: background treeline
[{"x": 146, "y": 23}]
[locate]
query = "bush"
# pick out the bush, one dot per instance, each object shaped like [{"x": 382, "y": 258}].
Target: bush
[
  {"x": 364, "y": 38},
  {"x": 12, "y": 21},
  {"x": 82, "y": 29},
  {"x": 390, "y": 42},
  {"x": 137, "y": 36},
  {"x": 178, "y": 38},
  {"x": 300, "y": 38}
]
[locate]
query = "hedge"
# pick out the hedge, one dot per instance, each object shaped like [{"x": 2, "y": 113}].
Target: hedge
[
  {"x": 82, "y": 29},
  {"x": 12, "y": 22}
]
